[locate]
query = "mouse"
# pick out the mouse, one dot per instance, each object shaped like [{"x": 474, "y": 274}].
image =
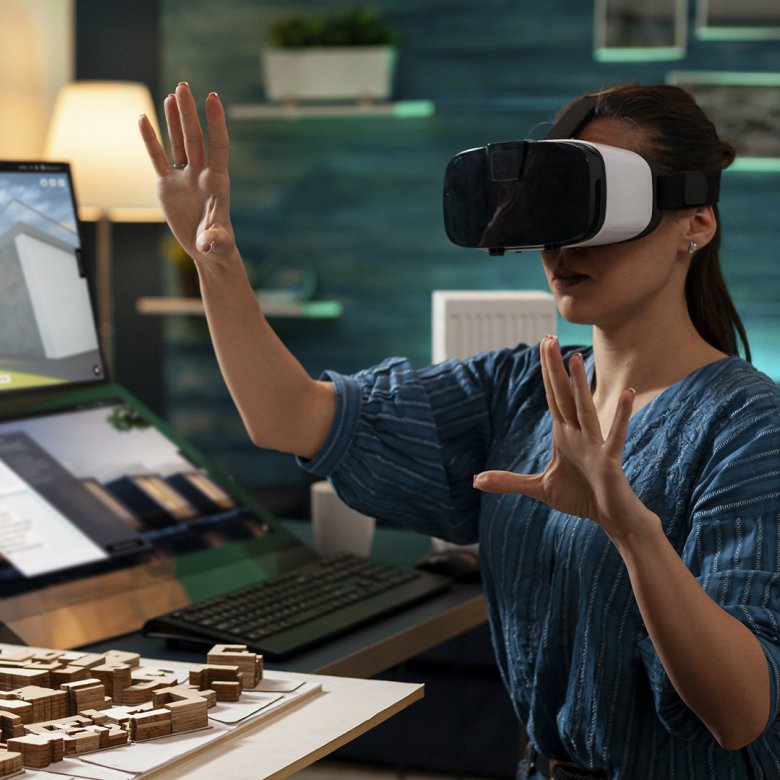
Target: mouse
[{"x": 461, "y": 565}]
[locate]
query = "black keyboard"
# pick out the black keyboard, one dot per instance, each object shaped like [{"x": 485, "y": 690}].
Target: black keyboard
[{"x": 291, "y": 612}]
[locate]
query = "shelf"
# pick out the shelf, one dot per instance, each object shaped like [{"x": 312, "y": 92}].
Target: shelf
[
  {"x": 404, "y": 109},
  {"x": 194, "y": 306}
]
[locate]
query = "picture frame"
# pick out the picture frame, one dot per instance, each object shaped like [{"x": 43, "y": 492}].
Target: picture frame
[
  {"x": 634, "y": 30},
  {"x": 737, "y": 20},
  {"x": 745, "y": 108}
]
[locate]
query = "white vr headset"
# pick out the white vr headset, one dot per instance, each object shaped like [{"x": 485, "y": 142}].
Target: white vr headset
[{"x": 553, "y": 193}]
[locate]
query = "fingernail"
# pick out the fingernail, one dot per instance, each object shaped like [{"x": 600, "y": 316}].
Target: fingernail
[
  {"x": 475, "y": 481},
  {"x": 633, "y": 391},
  {"x": 552, "y": 336},
  {"x": 211, "y": 248}
]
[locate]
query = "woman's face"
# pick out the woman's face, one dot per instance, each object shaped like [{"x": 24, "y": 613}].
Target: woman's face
[{"x": 609, "y": 286}]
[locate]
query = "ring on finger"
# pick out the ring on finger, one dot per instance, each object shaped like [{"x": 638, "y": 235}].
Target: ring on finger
[{"x": 179, "y": 166}]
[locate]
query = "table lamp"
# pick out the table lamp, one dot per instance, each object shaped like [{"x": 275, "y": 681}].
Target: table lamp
[{"x": 94, "y": 127}]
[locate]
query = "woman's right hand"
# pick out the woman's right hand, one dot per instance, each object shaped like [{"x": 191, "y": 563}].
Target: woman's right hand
[{"x": 194, "y": 187}]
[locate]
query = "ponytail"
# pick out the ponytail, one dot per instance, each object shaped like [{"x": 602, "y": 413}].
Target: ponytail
[{"x": 676, "y": 135}]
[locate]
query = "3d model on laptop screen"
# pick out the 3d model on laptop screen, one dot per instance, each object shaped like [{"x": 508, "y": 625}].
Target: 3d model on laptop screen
[
  {"x": 97, "y": 484},
  {"x": 47, "y": 326}
]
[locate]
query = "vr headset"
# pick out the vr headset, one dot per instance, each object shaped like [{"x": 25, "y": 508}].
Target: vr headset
[{"x": 554, "y": 193}]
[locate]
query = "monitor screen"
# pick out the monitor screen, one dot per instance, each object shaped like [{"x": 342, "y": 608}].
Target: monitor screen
[
  {"x": 99, "y": 486},
  {"x": 48, "y": 335}
]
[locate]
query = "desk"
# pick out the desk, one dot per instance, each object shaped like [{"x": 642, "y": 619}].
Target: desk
[
  {"x": 295, "y": 737},
  {"x": 366, "y": 652},
  {"x": 300, "y": 736},
  {"x": 369, "y": 650}
]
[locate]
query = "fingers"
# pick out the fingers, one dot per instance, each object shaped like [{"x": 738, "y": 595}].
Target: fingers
[
  {"x": 583, "y": 399},
  {"x": 509, "y": 482},
  {"x": 175, "y": 132},
  {"x": 549, "y": 392},
  {"x": 153, "y": 147},
  {"x": 556, "y": 383},
  {"x": 617, "y": 432},
  {"x": 192, "y": 134},
  {"x": 219, "y": 142}
]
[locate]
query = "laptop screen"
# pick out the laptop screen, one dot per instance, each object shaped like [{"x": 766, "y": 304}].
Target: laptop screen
[
  {"x": 47, "y": 326},
  {"x": 98, "y": 487}
]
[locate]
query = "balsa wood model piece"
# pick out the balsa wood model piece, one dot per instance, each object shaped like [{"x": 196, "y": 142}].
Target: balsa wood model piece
[{"x": 57, "y": 704}]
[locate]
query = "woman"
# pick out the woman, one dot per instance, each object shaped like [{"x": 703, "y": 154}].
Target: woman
[{"x": 627, "y": 497}]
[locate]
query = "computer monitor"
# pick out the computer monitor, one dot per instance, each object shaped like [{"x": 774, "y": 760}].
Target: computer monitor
[
  {"x": 107, "y": 519},
  {"x": 48, "y": 336}
]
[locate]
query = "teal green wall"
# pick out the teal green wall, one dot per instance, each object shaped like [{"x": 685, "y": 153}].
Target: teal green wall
[{"x": 359, "y": 199}]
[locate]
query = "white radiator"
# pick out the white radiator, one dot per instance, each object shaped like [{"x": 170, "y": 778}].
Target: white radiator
[
  {"x": 469, "y": 321},
  {"x": 466, "y": 322}
]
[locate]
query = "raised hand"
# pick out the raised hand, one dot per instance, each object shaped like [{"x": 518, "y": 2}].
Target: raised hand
[
  {"x": 194, "y": 187},
  {"x": 585, "y": 474}
]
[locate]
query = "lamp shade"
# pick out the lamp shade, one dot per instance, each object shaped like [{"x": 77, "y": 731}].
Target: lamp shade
[{"x": 94, "y": 127}]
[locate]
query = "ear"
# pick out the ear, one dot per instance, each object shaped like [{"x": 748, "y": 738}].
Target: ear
[{"x": 700, "y": 226}]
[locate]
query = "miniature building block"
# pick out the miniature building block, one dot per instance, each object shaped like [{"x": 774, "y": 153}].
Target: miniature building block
[
  {"x": 47, "y": 704},
  {"x": 10, "y": 762},
  {"x": 14, "y": 705},
  {"x": 112, "y": 735},
  {"x": 85, "y": 695},
  {"x": 10, "y": 726},
  {"x": 38, "y": 751},
  {"x": 183, "y": 692},
  {"x": 144, "y": 683},
  {"x": 96, "y": 716},
  {"x": 120, "y": 714},
  {"x": 12, "y": 677},
  {"x": 115, "y": 676},
  {"x": 87, "y": 660},
  {"x": 213, "y": 675},
  {"x": 66, "y": 674},
  {"x": 78, "y": 741},
  {"x": 148, "y": 725},
  {"x": 249, "y": 664},
  {"x": 122, "y": 657},
  {"x": 47, "y": 656},
  {"x": 226, "y": 690},
  {"x": 60, "y": 724},
  {"x": 188, "y": 714},
  {"x": 15, "y": 654}
]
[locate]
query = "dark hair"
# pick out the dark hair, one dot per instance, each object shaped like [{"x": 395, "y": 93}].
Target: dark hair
[{"x": 676, "y": 135}]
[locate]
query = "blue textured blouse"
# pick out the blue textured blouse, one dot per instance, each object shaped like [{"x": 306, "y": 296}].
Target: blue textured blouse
[{"x": 575, "y": 656}]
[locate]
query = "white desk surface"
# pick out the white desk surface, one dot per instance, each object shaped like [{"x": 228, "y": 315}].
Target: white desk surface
[
  {"x": 290, "y": 740},
  {"x": 299, "y": 736}
]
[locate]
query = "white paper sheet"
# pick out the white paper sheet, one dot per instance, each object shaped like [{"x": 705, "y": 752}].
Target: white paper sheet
[
  {"x": 76, "y": 768},
  {"x": 250, "y": 704},
  {"x": 143, "y": 756}
]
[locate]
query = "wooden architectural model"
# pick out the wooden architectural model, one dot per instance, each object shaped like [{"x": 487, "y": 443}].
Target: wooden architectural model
[{"x": 55, "y": 704}]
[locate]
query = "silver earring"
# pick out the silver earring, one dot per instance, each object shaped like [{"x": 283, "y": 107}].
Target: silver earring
[{"x": 692, "y": 247}]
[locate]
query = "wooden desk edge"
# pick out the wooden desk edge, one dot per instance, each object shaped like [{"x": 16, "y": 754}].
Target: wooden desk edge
[
  {"x": 344, "y": 739},
  {"x": 388, "y": 652}
]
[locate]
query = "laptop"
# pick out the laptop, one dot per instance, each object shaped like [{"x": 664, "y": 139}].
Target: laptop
[{"x": 109, "y": 522}]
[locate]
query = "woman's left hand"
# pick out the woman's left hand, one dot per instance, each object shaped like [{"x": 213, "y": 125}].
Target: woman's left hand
[{"x": 585, "y": 474}]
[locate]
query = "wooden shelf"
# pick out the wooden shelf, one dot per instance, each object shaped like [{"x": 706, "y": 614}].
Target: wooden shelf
[
  {"x": 404, "y": 109},
  {"x": 271, "y": 308}
]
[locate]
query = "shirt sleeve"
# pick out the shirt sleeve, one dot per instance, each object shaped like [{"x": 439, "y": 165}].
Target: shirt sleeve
[
  {"x": 406, "y": 443},
  {"x": 733, "y": 547}
]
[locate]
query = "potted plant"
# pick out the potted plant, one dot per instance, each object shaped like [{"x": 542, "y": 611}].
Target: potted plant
[{"x": 350, "y": 56}]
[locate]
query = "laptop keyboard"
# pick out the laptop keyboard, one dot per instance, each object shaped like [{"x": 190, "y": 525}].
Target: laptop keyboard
[{"x": 294, "y": 611}]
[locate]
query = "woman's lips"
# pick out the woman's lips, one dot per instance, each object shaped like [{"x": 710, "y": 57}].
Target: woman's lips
[{"x": 565, "y": 280}]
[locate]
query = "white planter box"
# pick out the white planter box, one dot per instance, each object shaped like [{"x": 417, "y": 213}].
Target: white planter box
[{"x": 328, "y": 73}]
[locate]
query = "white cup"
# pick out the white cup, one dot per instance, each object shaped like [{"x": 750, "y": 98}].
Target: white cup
[{"x": 338, "y": 528}]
